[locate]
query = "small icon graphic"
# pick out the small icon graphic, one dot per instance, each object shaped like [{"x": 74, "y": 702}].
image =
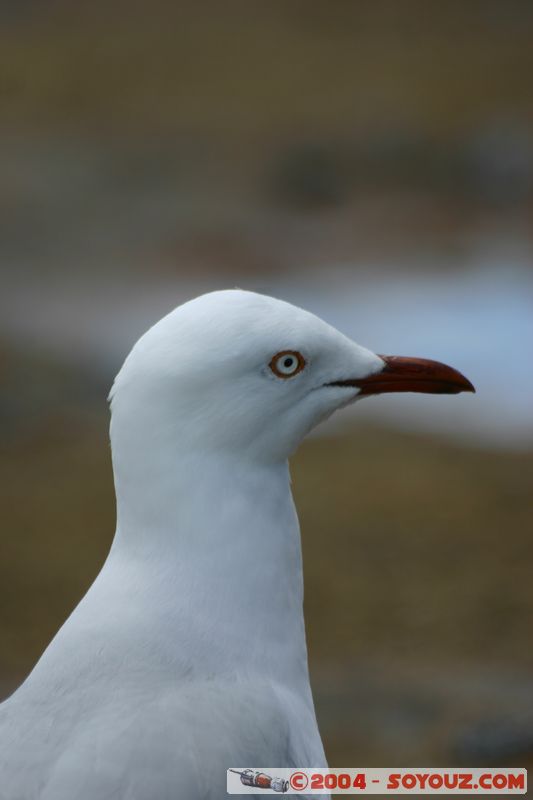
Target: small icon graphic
[{"x": 251, "y": 777}]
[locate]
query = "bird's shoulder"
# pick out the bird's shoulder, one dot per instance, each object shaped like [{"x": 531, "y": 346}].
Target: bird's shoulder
[{"x": 163, "y": 738}]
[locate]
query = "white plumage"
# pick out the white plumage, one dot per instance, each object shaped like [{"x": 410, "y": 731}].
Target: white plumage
[{"x": 187, "y": 655}]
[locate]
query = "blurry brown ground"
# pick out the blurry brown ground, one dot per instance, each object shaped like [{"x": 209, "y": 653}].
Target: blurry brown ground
[{"x": 256, "y": 139}]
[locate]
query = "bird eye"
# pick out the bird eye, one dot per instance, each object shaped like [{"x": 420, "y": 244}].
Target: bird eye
[{"x": 287, "y": 363}]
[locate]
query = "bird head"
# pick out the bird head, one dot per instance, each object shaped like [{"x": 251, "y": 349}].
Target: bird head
[{"x": 241, "y": 373}]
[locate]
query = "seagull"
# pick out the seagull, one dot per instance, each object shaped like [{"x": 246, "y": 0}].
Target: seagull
[{"x": 187, "y": 656}]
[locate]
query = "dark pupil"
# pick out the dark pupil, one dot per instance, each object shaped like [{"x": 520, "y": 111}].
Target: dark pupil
[{"x": 288, "y": 362}]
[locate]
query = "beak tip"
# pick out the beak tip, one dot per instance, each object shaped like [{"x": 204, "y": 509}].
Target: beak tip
[{"x": 468, "y": 386}]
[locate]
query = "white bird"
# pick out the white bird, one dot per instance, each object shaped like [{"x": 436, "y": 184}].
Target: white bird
[{"x": 187, "y": 656}]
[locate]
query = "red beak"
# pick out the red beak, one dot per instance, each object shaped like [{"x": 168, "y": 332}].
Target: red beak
[{"x": 401, "y": 374}]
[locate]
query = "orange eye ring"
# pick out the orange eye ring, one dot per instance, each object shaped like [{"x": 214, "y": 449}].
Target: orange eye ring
[{"x": 287, "y": 364}]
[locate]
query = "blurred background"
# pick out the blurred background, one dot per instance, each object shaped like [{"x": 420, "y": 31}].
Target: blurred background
[{"x": 371, "y": 161}]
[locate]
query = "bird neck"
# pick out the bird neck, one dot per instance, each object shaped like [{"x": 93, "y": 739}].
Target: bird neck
[{"x": 217, "y": 542}]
